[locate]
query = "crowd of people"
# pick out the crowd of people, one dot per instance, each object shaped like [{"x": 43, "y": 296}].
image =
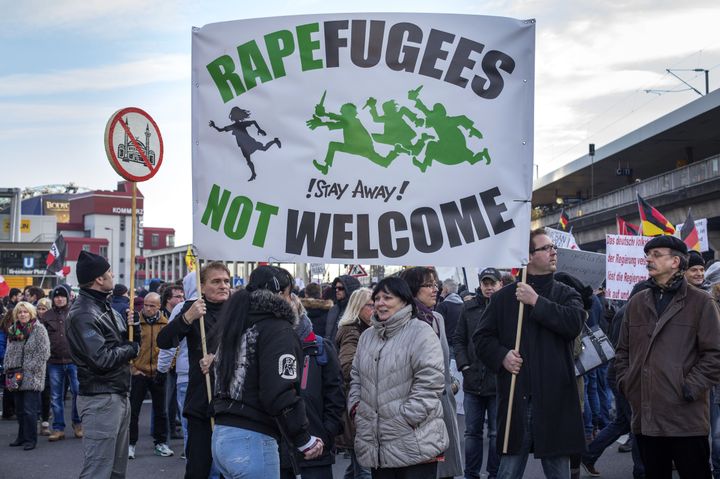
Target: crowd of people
[{"x": 272, "y": 381}]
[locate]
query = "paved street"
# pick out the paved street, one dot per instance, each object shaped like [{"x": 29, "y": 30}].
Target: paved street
[{"x": 63, "y": 459}]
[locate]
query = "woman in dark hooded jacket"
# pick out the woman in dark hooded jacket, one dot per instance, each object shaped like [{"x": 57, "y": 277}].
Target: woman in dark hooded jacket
[{"x": 256, "y": 400}]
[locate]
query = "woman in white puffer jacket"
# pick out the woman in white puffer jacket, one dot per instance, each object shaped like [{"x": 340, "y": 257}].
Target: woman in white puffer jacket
[{"x": 397, "y": 381}]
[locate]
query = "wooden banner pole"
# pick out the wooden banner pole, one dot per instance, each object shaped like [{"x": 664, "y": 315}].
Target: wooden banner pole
[
  {"x": 133, "y": 240},
  {"x": 508, "y": 420},
  {"x": 203, "y": 339}
]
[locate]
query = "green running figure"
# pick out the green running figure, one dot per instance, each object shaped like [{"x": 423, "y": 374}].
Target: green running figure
[
  {"x": 356, "y": 139},
  {"x": 248, "y": 145},
  {"x": 396, "y": 130},
  {"x": 450, "y": 147}
]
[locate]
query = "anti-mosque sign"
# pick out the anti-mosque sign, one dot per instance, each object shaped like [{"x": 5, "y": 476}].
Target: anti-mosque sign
[{"x": 366, "y": 138}]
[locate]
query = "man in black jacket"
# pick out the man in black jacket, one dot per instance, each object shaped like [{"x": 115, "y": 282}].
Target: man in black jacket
[
  {"x": 546, "y": 409},
  {"x": 215, "y": 289},
  {"x": 479, "y": 383},
  {"x": 97, "y": 337}
]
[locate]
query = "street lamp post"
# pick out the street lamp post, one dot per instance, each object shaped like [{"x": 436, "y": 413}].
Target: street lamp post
[{"x": 111, "y": 247}]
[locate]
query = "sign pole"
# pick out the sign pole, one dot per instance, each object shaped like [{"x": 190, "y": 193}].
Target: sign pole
[
  {"x": 203, "y": 339},
  {"x": 508, "y": 420},
  {"x": 133, "y": 239}
]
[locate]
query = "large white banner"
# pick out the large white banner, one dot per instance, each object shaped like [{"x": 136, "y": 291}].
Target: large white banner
[
  {"x": 625, "y": 265},
  {"x": 368, "y": 138}
]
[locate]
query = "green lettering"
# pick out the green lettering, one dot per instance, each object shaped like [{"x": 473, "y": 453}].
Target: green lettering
[
  {"x": 266, "y": 211},
  {"x": 215, "y": 208},
  {"x": 253, "y": 64},
  {"x": 222, "y": 71},
  {"x": 276, "y": 52},
  {"x": 307, "y": 46},
  {"x": 238, "y": 217}
]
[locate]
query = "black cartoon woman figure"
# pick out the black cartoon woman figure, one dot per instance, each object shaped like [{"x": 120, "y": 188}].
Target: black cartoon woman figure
[{"x": 248, "y": 145}]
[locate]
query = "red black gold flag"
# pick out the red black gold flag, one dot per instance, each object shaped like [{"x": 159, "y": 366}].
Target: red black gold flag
[
  {"x": 625, "y": 228},
  {"x": 564, "y": 220},
  {"x": 689, "y": 233},
  {"x": 652, "y": 221}
]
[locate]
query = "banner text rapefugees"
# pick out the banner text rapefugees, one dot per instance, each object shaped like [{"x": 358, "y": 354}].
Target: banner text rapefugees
[{"x": 404, "y": 47}]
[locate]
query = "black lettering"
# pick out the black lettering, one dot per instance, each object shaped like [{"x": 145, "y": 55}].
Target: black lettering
[
  {"x": 431, "y": 242},
  {"x": 374, "y": 43},
  {"x": 490, "y": 67},
  {"x": 385, "y": 233},
  {"x": 340, "y": 235},
  {"x": 461, "y": 60},
  {"x": 463, "y": 220},
  {"x": 333, "y": 42},
  {"x": 494, "y": 211},
  {"x": 363, "y": 238},
  {"x": 434, "y": 52},
  {"x": 297, "y": 236},
  {"x": 396, "y": 46}
]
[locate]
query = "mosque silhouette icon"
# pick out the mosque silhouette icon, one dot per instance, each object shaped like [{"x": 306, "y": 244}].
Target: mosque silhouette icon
[{"x": 129, "y": 153}]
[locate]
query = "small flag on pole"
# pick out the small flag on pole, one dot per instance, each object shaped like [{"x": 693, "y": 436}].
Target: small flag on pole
[
  {"x": 55, "y": 261},
  {"x": 689, "y": 233},
  {"x": 564, "y": 220},
  {"x": 626, "y": 228},
  {"x": 190, "y": 259},
  {"x": 652, "y": 221}
]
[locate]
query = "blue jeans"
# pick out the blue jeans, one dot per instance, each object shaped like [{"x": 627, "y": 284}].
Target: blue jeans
[
  {"x": 605, "y": 394},
  {"x": 181, "y": 393},
  {"x": 240, "y": 453},
  {"x": 715, "y": 433},
  {"x": 354, "y": 469},
  {"x": 610, "y": 433},
  {"x": 513, "y": 466},
  {"x": 58, "y": 374},
  {"x": 476, "y": 408}
]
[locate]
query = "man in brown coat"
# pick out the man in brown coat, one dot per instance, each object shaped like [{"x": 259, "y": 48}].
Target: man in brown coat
[{"x": 668, "y": 357}]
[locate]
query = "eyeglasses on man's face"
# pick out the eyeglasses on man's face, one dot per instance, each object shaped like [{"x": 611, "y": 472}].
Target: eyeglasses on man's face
[
  {"x": 656, "y": 254},
  {"x": 429, "y": 285},
  {"x": 545, "y": 248}
]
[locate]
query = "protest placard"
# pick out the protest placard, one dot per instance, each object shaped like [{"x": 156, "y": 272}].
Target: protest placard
[
  {"x": 625, "y": 265},
  {"x": 364, "y": 138},
  {"x": 562, "y": 239},
  {"x": 586, "y": 266}
]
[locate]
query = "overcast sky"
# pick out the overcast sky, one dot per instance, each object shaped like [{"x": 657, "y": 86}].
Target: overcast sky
[{"x": 67, "y": 65}]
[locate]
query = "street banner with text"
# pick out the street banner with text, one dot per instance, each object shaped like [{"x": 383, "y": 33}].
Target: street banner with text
[
  {"x": 364, "y": 138},
  {"x": 625, "y": 265},
  {"x": 586, "y": 266}
]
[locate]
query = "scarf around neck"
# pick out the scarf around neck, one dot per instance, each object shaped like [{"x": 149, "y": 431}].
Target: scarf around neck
[{"x": 19, "y": 331}]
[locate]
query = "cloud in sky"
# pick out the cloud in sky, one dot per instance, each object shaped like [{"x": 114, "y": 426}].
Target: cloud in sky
[
  {"x": 593, "y": 62},
  {"x": 150, "y": 70}
]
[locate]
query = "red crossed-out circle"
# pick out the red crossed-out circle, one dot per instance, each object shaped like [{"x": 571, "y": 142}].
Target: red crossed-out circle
[{"x": 116, "y": 121}]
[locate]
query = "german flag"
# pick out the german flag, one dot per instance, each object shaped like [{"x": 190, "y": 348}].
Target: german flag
[
  {"x": 564, "y": 220},
  {"x": 625, "y": 228},
  {"x": 689, "y": 233},
  {"x": 652, "y": 221}
]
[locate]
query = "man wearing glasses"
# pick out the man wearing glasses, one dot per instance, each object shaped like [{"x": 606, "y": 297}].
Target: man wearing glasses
[
  {"x": 546, "y": 415},
  {"x": 342, "y": 288},
  {"x": 668, "y": 357}
]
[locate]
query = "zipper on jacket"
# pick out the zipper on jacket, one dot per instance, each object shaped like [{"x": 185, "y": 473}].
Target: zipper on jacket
[{"x": 306, "y": 367}]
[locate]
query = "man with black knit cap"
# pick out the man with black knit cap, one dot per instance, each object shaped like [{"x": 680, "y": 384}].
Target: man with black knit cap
[
  {"x": 61, "y": 370},
  {"x": 97, "y": 337},
  {"x": 695, "y": 273},
  {"x": 668, "y": 357}
]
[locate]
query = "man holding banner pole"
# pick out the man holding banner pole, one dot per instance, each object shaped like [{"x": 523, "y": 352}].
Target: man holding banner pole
[
  {"x": 545, "y": 418},
  {"x": 215, "y": 290}
]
